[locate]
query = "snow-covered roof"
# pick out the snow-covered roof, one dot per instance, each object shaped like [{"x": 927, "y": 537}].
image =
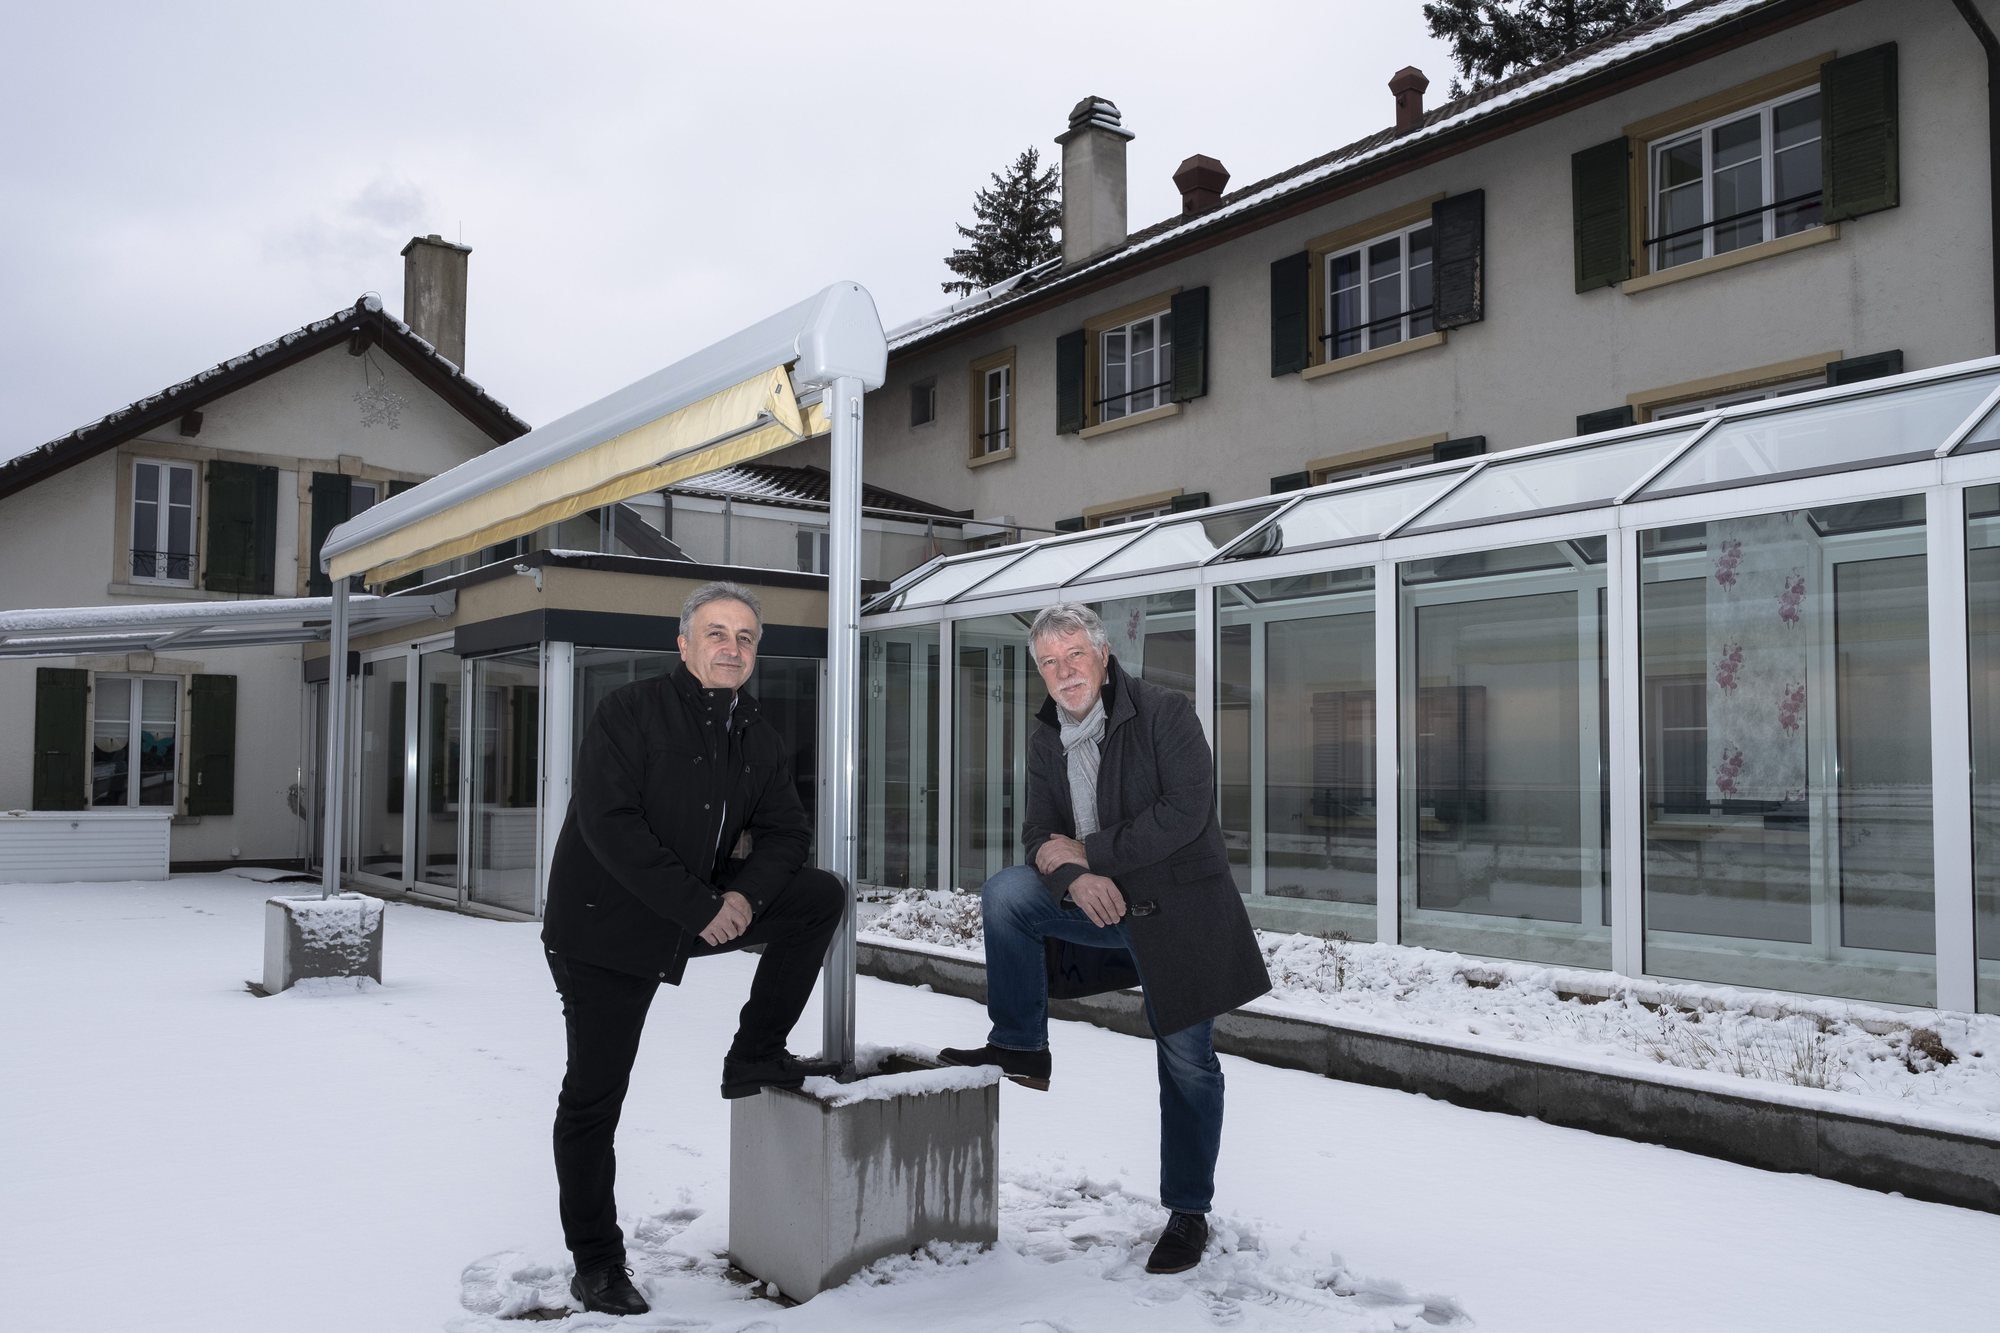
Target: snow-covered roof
[
  {"x": 365, "y": 321},
  {"x": 1567, "y": 75},
  {"x": 801, "y": 488}
]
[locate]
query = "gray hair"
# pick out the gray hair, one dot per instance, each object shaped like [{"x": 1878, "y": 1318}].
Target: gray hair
[
  {"x": 1068, "y": 618},
  {"x": 720, "y": 591}
]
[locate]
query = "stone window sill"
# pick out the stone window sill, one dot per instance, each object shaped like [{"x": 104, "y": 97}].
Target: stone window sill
[
  {"x": 1135, "y": 419},
  {"x": 1749, "y": 254},
  {"x": 997, "y": 456},
  {"x": 1370, "y": 357}
]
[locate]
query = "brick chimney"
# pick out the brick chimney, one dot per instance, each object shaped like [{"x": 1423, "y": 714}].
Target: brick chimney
[
  {"x": 1093, "y": 181},
  {"x": 1408, "y": 86},
  {"x": 1201, "y": 181},
  {"x": 434, "y": 294}
]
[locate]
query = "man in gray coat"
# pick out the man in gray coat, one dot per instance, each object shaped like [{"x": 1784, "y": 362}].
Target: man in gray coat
[{"x": 1128, "y": 884}]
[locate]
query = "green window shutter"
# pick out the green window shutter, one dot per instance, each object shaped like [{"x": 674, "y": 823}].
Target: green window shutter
[
  {"x": 212, "y": 745},
  {"x": 1291, "y": 314},
  {"x": 1072, "y": 524},
  {"x": 1190, "y": 324},
  {"x": 1466, "y": 446},
  {"x": 242, "y": 528},
  {"x": 62, "y": 730},
  {"x": 416, "y": 576},
  {"x": 1291, "y": 481},
  {"x": 1458, "y": 259},
  {"x": 331, "y": 495},
  {"x": 1600, "y": 189},
  {"x": 1857, "y": 144},
  {"x": 1069, "y": 383},
  {"x": 1180, "y": 504},
  {"x": 1611, "y": 418},
  {"x": 1858, "y": 368}
]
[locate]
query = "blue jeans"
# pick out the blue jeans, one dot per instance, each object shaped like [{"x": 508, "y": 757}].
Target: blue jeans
[{"x": 1020, "y": 912}]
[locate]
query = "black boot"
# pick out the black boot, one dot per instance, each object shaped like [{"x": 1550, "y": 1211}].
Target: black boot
[
  {"x": 608, "y": 1290},
  {"x": 746, "y": 1077},
  {"x": 1030, "y": 1069},
  {"x": 1180, "y": 1244}
]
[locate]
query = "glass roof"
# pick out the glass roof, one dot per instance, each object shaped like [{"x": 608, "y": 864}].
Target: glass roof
[
  {"x": 1564, "y": 479},
  {"x": 1057, "y": 562},
  {"x": 1986, "y": 437},
  {"x": 948, "y": 580},
  {"x": 1185, "y": 541},
  {"x": 1347, "y": 516},
  {"x": 1831, "y": 436}
]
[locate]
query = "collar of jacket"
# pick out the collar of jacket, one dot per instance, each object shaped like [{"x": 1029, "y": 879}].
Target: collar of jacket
[
  {"x": 715, "y": 701},
  {"x": 1118, "y": 707}
]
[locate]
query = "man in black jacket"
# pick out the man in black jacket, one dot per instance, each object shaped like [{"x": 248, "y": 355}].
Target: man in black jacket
[
  {"x": 1128, "y": 883},
  {"x": 675, "y": 775}
]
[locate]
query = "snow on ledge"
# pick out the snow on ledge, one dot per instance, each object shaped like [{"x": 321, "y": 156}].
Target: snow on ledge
[{"x": 879, "y": 1087}]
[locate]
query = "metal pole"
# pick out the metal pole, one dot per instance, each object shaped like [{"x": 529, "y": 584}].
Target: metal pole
[
  {"x": 336, "y": 743},
  {"x": 843, "y": 662}
]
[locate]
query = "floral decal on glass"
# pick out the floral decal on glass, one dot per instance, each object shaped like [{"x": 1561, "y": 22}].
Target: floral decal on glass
[{"x": 1759, "y": 661}]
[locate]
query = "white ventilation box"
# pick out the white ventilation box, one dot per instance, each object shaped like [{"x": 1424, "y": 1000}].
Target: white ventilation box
[{"x": 66, "y": 846}]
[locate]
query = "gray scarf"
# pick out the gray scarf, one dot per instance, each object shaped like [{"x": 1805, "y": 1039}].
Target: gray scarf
[{"x": 1080, "y": 745}]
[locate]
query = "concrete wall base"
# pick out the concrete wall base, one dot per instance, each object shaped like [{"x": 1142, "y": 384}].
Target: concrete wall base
[
  {"x": 309, "y": 936},
  {"x": 817, "y": 1192},
  {"x": 1923, "y": 1163}
]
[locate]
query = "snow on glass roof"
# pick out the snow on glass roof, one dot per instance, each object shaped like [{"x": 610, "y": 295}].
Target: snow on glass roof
[
  {"x": 1485, "y": 104},
  {"x": 1932, "y": 414}
]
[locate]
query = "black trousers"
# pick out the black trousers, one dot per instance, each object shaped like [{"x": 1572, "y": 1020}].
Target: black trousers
[{"x": 603, "y": 1014}]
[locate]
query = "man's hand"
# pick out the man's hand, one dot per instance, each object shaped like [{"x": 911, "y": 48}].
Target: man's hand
[
  {"x": 731, "y": 921},
  {"x": 1099, "y": 898},
  {"x": 1060, "y": 851}
]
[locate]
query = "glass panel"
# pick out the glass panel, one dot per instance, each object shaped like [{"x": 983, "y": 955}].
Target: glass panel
[
  {"x": 1295, "y": 749},
  {"x": 1420, "y": 282},
  {"x": 1114, "y": 375},
  {"x": 1569, "y": 479},
  {"x": 1056, "y": 562},
  {"x": 1152, "y": 637},
  {"x": 995, "y": 694},
  {"x": 438, "y": 749},
  {"x": 1145, "y": 364},
  {"x": 1345, "y": 516},
  {"x": 1677, "y": 168},
  {"x": 1385, "y": 292},
  {"x": 1983, "y": 438},
  {"x": 1983, "y": 613},
  {"x": 384, "y": 695},
  {"x": 1183, "y": 542},
  {"x": 948, "y": 580},
  {"x": 1738, "y": 151},
  {"x": 506, "y": 776},
  {"x": 1504, "y": 811},
  {"x": 898, "y": 759},
  {"x": 111, "y": 741},
  {"x": 1880, "y": 428},
  {"x": 1346, "y": 303},
  {"x": 1795, "y": 163},
  {"x": 158, "y": 727},
  {"x": 1786, "y": 723}
]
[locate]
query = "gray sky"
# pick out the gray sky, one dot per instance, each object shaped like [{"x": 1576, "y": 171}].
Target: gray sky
[{"x": 181, "y": 182}]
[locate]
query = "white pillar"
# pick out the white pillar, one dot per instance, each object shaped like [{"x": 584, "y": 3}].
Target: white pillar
[
  {"x": 1951, "y": 752},
  {"x": 843, "y": 660},
  {"x": 336, "y": 744}
]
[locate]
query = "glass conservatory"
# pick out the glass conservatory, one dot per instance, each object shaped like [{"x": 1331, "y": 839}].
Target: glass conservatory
[{"x": 1714, "y": 699}]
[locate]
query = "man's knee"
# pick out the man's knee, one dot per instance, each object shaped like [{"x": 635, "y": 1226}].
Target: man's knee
[
  {"x": 1012, "y": 890},
  {"x": 821, "y": 897}
]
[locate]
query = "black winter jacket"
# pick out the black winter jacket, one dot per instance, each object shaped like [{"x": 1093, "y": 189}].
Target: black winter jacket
[{"x": 666, "y": 781}]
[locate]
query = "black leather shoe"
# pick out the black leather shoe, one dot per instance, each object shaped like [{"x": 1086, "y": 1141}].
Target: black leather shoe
[
  {"x": 1030, "y": 1069},
  {"x": 1180, "y": 1244},
  {"x": 746, "y": 1078},
  {"x": 608, "y": 1290}
]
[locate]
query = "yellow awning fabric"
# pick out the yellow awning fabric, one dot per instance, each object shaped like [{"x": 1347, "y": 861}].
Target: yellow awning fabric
[{"x": 750, "y": 418}]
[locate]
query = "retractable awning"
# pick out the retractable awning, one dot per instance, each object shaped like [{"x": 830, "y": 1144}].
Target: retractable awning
[
  {"x": 744, "y": 396},
  {"x": 192, "y": 627}
]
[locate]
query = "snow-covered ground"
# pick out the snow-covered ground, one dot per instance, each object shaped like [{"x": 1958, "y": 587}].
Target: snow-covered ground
[
  {"x": 1932, "y": 1067},
  {"x": 176, "y": 1154}
]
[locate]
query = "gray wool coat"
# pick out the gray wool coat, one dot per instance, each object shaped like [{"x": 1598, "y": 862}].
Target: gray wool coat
[{"x": 1159, "y": 840}]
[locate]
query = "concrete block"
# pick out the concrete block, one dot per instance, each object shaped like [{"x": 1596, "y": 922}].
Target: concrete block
[
  {"x": 309, "y": 936},
  {"x": 818, "y": 1191}
]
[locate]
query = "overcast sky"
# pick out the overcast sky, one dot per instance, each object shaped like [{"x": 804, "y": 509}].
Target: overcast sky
[{"x": 180, "y": 182}]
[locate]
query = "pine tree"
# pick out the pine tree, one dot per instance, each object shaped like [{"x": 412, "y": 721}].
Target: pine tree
[
  {"x": 1492, "y": 39},
  {"x": 1014, "y": 227}
]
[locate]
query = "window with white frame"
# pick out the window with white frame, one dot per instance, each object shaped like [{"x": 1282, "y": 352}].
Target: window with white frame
[
  {"x": 162, "y": 549},
  {"x": 1750, "y": 176},
  {"x": 996, "y": 413},
  {"x": 134, "y": 740},
  {"x": 1135, "y": 366},
  {"x": 1378, "y": 293}
]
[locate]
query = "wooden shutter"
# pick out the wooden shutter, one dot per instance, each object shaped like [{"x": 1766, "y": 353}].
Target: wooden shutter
[
  {"x": 1072, "y": 524},
  {"x": 1189, "y": 318},
  {"x": 1466, "y": 446},
  {"x": 212, "y": 745},
  {"x": 1069, "y": 383},
  {"x": 1858, "y": 155},
  {"x": 62, "y": 735},
  {"x": 331, "y": 496},
  {"x": 1291, "y": 481},
  {"x": 241, "y": 549},
  {"x": 1601, "y": 203},
  {"x": 1611, "y": 418},
  {"x": 1458, "y": 259},
  {"x": 1180, "y": 504},
  {"x": 1855, "y": 369},
  {"x": 1291, "y": 314}
]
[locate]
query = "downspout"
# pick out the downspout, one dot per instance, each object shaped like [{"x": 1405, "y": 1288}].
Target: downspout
[{"x": 1984, "y": 32}]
